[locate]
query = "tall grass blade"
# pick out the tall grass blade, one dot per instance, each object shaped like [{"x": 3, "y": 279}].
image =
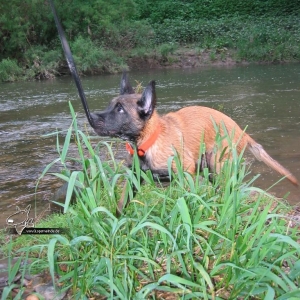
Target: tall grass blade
[
  {"x": 66, "y": 145},
  {"x": 70, "y": 190},
  {"x": 184, "y": 211},
  {"x": 7, "y": 290},
  {"x": 180, "y": 282},
  {"x": 51, "y": 258},
  {"x": 155, "y": 227}
]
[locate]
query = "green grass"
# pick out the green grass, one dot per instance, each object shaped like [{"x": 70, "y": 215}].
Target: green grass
[{"x": 191, "y": 239}]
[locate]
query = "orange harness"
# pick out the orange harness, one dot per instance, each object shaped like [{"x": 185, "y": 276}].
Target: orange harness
[{"x": 141, "y": 150}]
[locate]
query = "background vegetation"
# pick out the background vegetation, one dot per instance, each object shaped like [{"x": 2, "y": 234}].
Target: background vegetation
[{"x": 105, "y": 35}]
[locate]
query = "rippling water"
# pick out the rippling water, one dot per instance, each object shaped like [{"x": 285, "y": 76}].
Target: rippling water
[{"x": 265, "y": 98}]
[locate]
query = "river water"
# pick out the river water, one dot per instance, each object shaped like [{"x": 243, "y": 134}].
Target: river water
[{"x": 266, "y": 98}]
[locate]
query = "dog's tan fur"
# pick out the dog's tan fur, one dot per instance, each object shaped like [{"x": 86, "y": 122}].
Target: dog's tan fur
[{"x": 185, "y": 129}]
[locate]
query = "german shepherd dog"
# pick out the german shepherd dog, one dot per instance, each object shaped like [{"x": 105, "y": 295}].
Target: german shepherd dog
[{"x": 133, "y": 117}]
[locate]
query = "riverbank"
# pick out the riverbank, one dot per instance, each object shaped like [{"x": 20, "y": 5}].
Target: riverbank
[
  {"x": 189, "y": 56},
  {"x": 171, "y": 44},
  {"x": 168, "y": 57},
  {"x": 185, "y": 57}
]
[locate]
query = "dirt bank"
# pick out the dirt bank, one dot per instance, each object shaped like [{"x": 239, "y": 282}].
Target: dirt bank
[{"x": 184, "y": 58}]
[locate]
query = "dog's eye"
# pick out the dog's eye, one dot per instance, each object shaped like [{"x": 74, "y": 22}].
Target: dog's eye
[{"x": 119, "y": 108}]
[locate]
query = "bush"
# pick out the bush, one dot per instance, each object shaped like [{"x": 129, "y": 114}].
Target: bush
[
  {"x": 42, "y": 63},
  {"x": 128, "y": 35},
  {"x": 255, "y": 39},
  {"x": 104, "y": 33},
  {"x": 166, "y": 49},
  {"x": 91, "y": 58},
  {"x": 158, "y": 11},
  {"x": 9, "y": 70}
]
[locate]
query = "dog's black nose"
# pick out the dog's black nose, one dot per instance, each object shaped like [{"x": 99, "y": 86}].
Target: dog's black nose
[
  {"x": 98, "y": 122},
  {"x": 96, "y": 117}
]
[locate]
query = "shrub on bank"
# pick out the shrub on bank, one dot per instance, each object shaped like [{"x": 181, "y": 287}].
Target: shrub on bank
[
  {"x": 269, "y": 39},
  {"x": 244, "y": 35},
  {"x": 91, "y": 58},
  {"x": 9, "y": 70}
]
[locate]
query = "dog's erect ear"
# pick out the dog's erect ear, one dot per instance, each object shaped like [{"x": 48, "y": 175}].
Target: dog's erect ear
[
  {"x": 147, "y": 102},
  {"x": 125, "y": 87}
]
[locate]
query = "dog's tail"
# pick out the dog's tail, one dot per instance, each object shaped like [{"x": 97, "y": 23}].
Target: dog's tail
[{"x": 261, "y": 155}]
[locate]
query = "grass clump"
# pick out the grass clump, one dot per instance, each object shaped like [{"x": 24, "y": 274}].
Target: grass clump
[
  {"x": 191, "y": 240},
  {"x": 166, "y": 49},
  {"x": 9, "y": 70}
]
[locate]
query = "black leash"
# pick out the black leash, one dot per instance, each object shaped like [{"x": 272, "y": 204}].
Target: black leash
[{"x": 71, "y": 64}]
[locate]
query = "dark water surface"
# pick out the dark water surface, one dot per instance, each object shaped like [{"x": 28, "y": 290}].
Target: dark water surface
[{"x": 264, "y": 97}]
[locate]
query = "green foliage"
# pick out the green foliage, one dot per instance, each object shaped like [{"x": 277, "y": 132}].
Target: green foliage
[
  {"x": 256, "y": 39},
  {"x": 13, "y": 268},
  {"x": 257, "y": 30},
  {"x": 9, "y": 70},
  {"x": 42, "y": 63},
  {"x": 27, "y": 23},
  {"x": 167, "y": 49},
  {"x": 192, "y": 240},
  {"x": 86, "y": 54},
  {"x": 227, "y": 31},
  {"x": 93, "y": 17},
  {"x": 23, "y": 24},
  {"x": 157, "y": 11},
  {"x": 271, "y": 40},
  {"x": 128, "y": 35},
  {"x": 91, "y": 58}
]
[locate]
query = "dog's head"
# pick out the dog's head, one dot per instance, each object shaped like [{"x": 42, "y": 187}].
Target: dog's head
[{"x": 127, "y": 114}]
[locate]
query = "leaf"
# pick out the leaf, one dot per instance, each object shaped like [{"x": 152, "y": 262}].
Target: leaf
[
  {"x": 66, "y": 145},
  {"x": 184, "y": 211},
  {"x": 70, "y": 190},
  {"x": 51, "y": 257},
  {"x": 153, "y": 226},
  {"x": 81, "y": 239},
  {"x": 178, "y": 280}
]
